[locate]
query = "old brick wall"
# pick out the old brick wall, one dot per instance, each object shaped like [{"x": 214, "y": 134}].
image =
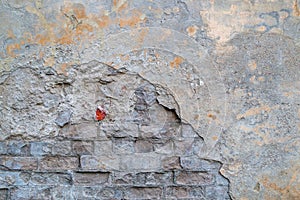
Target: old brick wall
[{"x": 202, "y": 99}]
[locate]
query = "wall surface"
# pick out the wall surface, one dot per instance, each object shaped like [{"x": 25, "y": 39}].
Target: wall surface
[{"x": 202, "y": 99}]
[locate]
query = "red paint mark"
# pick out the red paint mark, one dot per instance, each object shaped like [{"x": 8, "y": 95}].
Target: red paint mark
[{"x": 100, "y": 113}]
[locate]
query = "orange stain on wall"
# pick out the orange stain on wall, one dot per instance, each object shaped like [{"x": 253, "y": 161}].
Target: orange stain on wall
[
  {"x": 73, "y": 25},
  {"x": 132, "y": 21},
  {"x": 176, "y": 62}
]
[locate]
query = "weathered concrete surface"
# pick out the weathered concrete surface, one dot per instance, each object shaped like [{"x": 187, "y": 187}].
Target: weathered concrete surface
[{"x": 202, "y": 99}]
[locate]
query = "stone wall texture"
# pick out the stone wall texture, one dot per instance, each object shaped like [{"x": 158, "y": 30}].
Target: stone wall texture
[{"x": 202, "y": 99}]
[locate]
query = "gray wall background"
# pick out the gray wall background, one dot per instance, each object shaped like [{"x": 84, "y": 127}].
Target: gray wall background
[{"x": 202, "y": 99}]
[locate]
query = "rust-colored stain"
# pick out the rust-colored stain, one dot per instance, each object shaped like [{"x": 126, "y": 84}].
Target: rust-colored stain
[
  {"x": 73, "y": 25},
  {"x": 289, "y": 191},
  {"x": 192, "y": 30},
  {"x": 141, "y": 36},
  {"x": 102, "y": 22},
  {"x": 11, "y": 48},
  {"x": 63, "y": 68},
  {"x": 49, "y": 61},
  {"x": 296, "y": 10},
  {"x": 254, "y": 111},
  {"x": 211, "y": 116},
  {"x": 135, "y": 19},
  {"x": 215, "y": 138},
  {"x": 10, "y": 34},
  {"x": 176, "y": 62},
  {"x": 119, "y": 5},
  {"x": 252, "y": 65}
]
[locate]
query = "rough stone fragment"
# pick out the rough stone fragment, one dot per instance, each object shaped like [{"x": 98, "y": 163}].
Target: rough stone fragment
[
  {"x": 63, "y": 118},
  {"x": 193, "y": 178},
  {"x": 24, "y": 163},
  {"x": 90, "y": 178},
  {"x": 58, "y": 163}
]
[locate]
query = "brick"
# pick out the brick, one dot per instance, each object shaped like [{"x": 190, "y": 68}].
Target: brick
[
  {"x": 18, "y": 148},
  {"x": 84, "y": 192},
  {"x": 143, "y": 178},
  {"x": 110, "y": 193},
  {"x": 217, "y": 192},
  {"x": 46, "y": 178},
  {"x": 90, "y": 178},
  {"x": 83, "y": 147},
  {"x": 24, "y": 193},
  {"x": 119, "y": 130},
  {"x": 80, "y": 131},
  {"x": 123, "y": 146},
  {"x": 103, "y": 147},
  {"x": 24, "y": 163},
  {"x": 3, "y": 193},
  {"x": 143, "y": 146},
  {"x": 156, "y": 179},
  {"x": 8, "y": 178},
  {"x": 193, "y": 178},
  {"x": 122, "y": 178},
  {"x": 171, "y": 163},
  {"x": 41, "y": 192},
  {"x": 61, "y": 192},
  {"x": 58, "y": 163},
  {"x": 185, "y": 192},
  {"x": 40, "y": 148},
  {"x": 143, "y": 193},
  {"x": 3, "y": 148},
  {"x": 142, "y": 161},
  {"x": 164, "y": 148},
  {"x": 140, "y": 179},
  {"x": 196, "y": 163},
  {"x": 97, "y": 192},
  {"x": 62, "y": 148},
  {"x": 100, "y": 162}
]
